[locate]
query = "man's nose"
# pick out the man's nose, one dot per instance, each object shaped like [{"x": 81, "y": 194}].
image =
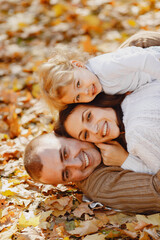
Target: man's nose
[{"x": 73, "y": 162}]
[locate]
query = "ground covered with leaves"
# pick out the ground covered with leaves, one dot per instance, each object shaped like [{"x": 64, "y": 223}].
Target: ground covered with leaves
[{"x": 29, "y": 29}]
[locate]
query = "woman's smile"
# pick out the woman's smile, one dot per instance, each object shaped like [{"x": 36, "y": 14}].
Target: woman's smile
[{"x": 105, "y": 129}]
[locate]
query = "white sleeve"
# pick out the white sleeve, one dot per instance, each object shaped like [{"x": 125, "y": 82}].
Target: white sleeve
[
  {"x": 125, "y": 69},
  {"x": 140, "y": 59},
  {"x": 143, "y": 148},
  {"x": 135, "y": 164}
]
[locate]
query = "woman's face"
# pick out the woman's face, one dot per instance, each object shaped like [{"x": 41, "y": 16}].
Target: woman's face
[{"x": 92, "y": 124}]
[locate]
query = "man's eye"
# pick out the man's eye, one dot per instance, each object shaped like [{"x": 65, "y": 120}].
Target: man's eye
[
  {"x": 86, "y": 135},
  {"x": 78, "y": 84},
  {"x": 66, "y": 174},
  {"x": 78, "y": 98},
  {"x": 88, "y": 116},
  {"x": 65, "y": 153}
]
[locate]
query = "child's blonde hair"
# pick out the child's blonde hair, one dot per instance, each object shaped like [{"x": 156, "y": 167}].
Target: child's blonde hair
[{"x": 56, "y": 73}]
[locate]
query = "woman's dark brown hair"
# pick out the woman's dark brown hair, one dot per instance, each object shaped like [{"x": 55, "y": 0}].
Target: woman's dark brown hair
[{"x": 102, "y": 100}]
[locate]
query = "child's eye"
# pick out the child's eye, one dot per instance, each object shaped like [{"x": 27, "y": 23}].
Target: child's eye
[
  {"x": 88, "y": 116},
  {"x": 86, "y": 135},
  {"x": 78, "y": 98},
  {"x": 78, "y": 84}
]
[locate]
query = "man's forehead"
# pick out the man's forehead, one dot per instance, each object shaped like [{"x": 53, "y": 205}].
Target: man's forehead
[
  {"x": 56, "y": 142},
  {"x": 49, "y": 140}
]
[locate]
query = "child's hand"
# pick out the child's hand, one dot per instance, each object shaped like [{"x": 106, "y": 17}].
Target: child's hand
[{"x": 113, "y": 154}]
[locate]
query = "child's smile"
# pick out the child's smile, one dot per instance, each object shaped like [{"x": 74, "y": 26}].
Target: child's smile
[{"x": 84, "y": 88}]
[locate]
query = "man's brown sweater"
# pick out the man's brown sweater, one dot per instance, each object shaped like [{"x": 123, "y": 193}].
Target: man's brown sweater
[{"x": 122, "y": 189}]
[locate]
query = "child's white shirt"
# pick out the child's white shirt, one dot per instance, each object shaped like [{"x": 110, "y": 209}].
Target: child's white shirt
[
  {"x": 141, "y": 118},
  {"x": 126, "y": 69}
]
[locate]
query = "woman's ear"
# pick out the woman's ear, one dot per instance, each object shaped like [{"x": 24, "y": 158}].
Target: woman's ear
[{"x": 76, "y": 63}]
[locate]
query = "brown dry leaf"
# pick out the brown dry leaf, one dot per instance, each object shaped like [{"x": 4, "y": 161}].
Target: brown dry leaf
[
  {"x": 120, "y": 218},
  {"x": 152, "y": 232},
  {"x": 96, "y": 236},
  {"x": 10, "y": 231},
  {"x": 144, "y": 236},
  {"x": 86, "y": 227},
  {"x": 3, "y": 126},
  {"x": 43, "y": 219},
  {"x": 26, "y": 98},
  {"x": 12, "y": 151},
  {"x": 59, "y": 232},
  {"x": 8, "y": 96},
  {"x": 28, "y": 118},
  {"x": 153, "y": 219},
  {"x": 130, "y": 234},
  {"x": 102, "y": 217},
  {"x": 59, "y": 206},
  {"x": 82, "y": 208},
  {"x": 131, "y": 226},
  {"x": 140, "y": 225},
  {"x": 5, "y": 219},
  {"x": 30, "y": 233}
]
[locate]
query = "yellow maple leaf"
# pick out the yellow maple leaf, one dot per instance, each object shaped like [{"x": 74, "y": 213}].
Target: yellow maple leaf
[
  {"x": 132, "y": 22},
  {"x": 8, "y": 193},
  {"x": 92, "y": 20},
  {"x": 23, "y": 222},
  {"x": 36, "y": 90},
  {"x": 14, "y": 181},
  {"x": 59, "y": 9}
]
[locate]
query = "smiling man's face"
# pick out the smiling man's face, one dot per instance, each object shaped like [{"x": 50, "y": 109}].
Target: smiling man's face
[{"x": 66, "y": 159}]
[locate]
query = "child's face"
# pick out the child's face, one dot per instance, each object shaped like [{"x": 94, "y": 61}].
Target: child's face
[{"x": 84, "y": 87}]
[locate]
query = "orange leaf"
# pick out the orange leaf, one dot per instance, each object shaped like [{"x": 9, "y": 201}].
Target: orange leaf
[
  {"x": 88, "y": 46},
  {"x": 12, "y": 120},
  {"x": 141, "y": 225}
]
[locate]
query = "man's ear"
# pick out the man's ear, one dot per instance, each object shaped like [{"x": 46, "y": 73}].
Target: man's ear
[{"x": 76, "y": 63}]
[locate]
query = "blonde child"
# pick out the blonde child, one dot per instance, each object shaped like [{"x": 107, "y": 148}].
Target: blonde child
[{"x": 65, "y": 80}]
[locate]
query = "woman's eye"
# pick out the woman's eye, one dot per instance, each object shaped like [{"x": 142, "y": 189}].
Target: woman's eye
[
  {"x": 78, "y": 98},
  {"x": 88, "y": 116},
  {"x": 78, "y": 84},
  {"x": 86, "y": 134}
]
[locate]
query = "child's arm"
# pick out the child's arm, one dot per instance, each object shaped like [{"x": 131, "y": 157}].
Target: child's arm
[{"x": 125, "y": 69}]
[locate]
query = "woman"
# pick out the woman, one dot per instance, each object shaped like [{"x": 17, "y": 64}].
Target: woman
[{"x": 141, "y": 119}]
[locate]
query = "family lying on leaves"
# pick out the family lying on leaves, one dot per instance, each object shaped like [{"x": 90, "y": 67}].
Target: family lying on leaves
[{"x": 107, "y": 137}]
